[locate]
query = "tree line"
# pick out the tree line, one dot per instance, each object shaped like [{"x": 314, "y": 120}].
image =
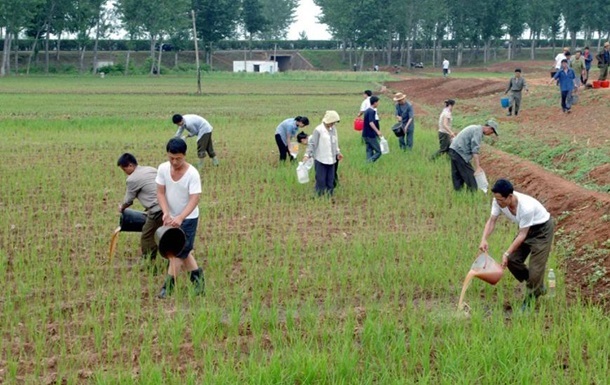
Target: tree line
[{"x": 359, "y": 25}]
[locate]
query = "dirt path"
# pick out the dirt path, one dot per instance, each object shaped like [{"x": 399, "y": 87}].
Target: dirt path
[{"x": 583, "y": 216}]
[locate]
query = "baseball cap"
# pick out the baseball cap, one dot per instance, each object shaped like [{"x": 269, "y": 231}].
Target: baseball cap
[{"x": 493, "y": 124}]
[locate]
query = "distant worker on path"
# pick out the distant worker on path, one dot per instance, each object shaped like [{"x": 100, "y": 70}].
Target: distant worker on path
[
  {"x": 445, "y": 130},
  {"x": 535, "y": 237},
  {"x": 603, "y": 60},
  {"x": 197, "y": 126},
  {"x": 284, "y": 133},
  {"x": 565, "y": 77},
  {"x": 558, "y": 58},
  {"x": 445, "y": 68},
  {"x": 578, "y": 64},
  {"x": 178, "y": 193},
  {"x": 516, "y": 84},
  {"x": 466, "y": 147},
  {"x": 588, "y": 56},
  {"x": 141, "y": 185}
]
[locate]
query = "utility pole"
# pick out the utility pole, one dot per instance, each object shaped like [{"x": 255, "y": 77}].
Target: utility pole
[{"x": 196, "y": 54}]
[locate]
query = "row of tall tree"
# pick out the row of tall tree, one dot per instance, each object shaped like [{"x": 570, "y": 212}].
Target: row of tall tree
[
  {"x": 157, "y": 21},
  {"x": 386, "y": 25},
  {"x": 476, "y": 23}
]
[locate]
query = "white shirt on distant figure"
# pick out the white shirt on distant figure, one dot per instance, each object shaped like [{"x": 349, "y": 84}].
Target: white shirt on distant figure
[
  {"x": 365, "y": 105},
  {"x": 445, "y": 64},
  {"x": 558, "y": 59}
]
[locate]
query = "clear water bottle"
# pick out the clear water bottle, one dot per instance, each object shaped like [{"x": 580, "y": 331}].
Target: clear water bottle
[{"x": 552, "y": 283}]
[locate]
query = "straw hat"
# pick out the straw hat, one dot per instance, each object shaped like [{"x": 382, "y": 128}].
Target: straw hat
[
  {"x": 331, "y": 117},
  {"x": 399, "y": 96}
]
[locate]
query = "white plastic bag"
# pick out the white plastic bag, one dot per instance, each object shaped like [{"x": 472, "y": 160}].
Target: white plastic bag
[{"x": 385, "y": 147}]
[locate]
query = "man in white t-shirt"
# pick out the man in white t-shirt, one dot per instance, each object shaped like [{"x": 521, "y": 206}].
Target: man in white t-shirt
[
  {"x": 178, "y": 192},
  {"x": 445, "y": 68},
  {"x": 558, "y": 58},
  {"x": 366, "y": 103},
  {"x": 534, "y": 239}
]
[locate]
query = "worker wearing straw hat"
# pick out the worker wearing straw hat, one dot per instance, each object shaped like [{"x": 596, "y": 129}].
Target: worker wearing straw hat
[{"x": 405, "y": 115}]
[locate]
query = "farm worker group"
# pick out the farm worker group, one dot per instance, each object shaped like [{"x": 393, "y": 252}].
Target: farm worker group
[{"x": 170, "y": 196}]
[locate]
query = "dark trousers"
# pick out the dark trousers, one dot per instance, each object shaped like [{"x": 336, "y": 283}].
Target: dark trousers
[
  {"x": 444, "y": 141},
  {"x": 336, "y": 181},
  {"x": 566, "y": 100},
  {"x": 147, "y": 239},
  {"x": 325, "y": 178},
  {"x": 461, "y": 172},
  {"x": 603, "y": 72},
  {"x": 537, "y": 245},
  {"x": 406, "y": 142},
  {"x": 515, "y": 102},
  {"x": 205, "y": 145},
  {"x": 373, "y": 149},
  {"x": 282, "y": 147}
]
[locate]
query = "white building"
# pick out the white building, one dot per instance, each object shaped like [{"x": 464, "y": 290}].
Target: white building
[{"x": 255, "y": 66}]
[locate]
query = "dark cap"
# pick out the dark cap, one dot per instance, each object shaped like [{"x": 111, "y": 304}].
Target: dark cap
[{"x": 518, "y": 70}]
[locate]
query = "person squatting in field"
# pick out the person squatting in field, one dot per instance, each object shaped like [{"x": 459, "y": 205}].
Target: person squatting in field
[
  {"x": 140, "y": 184},
  {"x": 323, "y": 147},
  {"x": 406, "y": 117},
  {"x": 464, "y": 148},
  {"x": 565, "y": 77},
  {"x": 195, "y": 125},
  {"x": 516, "y": 85},
  {"x": 178, "y": 193},
  {"x": 534, "y": 239},
  {"x": 284, "y": 133},
  {"x": 445, "y": 130},
  {"x": 371, "y": 132}
]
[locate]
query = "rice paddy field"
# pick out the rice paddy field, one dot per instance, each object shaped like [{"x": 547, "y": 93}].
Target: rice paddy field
[{"x": 360, "y": 289}]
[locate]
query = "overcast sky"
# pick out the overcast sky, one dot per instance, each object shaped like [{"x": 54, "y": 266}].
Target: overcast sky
[{"x": 306, "y": 20}]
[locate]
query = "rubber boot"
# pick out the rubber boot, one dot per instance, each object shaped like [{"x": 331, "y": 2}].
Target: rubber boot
[
  {"x": 198, "y": 281},
  {"x": 168, "y": 287},
  {"x": 510, "y": 111}
]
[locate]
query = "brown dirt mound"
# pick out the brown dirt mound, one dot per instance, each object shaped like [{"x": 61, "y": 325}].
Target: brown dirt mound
[
  {"x": 436, "y": 90},
  {"x": 583, "y": 220},
  {"x": 601, "y": 175}
]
